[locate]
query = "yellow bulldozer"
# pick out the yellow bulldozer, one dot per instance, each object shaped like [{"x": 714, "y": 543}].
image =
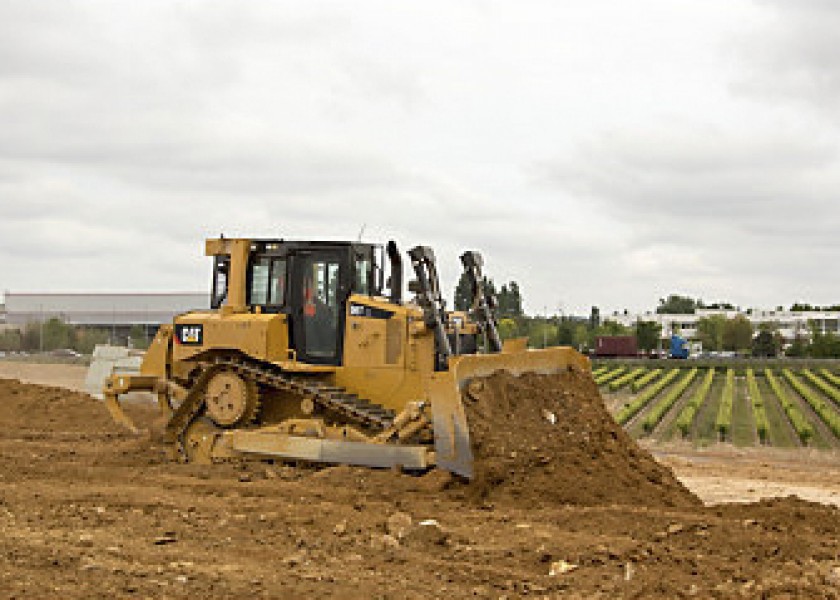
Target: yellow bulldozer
[{"x": 309, "y": 353}]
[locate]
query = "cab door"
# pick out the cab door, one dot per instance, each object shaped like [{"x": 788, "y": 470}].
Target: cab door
[{"x": 318, "y": 299}]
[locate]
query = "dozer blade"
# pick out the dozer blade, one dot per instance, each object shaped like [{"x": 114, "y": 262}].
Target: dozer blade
[{"x": 452, "y": 439}]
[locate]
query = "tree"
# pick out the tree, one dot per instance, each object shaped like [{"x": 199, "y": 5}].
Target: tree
[
  {"x": 10, "y": 340},
  {"x": 766, "y": 344},
  {"x": 510, "y": 300},
  {"x": 57, "y": 334},
  {"x": 594, "y": 318},
  {"x": 572, "y": 332},
  {"x": 464, "y": 293},
  {"x": 508, "y": 329},
  {"x": 737, "y": 333},
  {"x": 719, "y": 306},
  {"x": 566, "y": 331},
  {"x": 30, "y": 338},
  {"x": 798, "y": 348},
  {"x": 648, "y": 335},
  {"x": 678, "y": 305},
  {"x": 805, "y": 307},
  {"x": 823, "y": 345},
  {"x": 710, "y": 331},
  {"x": 581, "y": 337},
  {"x": 88, "y": 337},
  {"x": 613, "y": 328},
  {"x": 138, "y": 337},
  {"x": 606, "y": 328},
  {"x": 541, "y": 333}
]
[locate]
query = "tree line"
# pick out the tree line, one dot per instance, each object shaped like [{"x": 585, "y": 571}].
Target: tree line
[
  {"x": 54, "y": 334},
  {"x": 554, "y": 330},
  {"x": 715, "y": 332},
  {"x": 675, "y": 304}
]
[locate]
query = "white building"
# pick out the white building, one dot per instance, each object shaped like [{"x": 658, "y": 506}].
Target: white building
[
  {"x": 102, "y": 310},
  {"x": 789, "y": 324}
]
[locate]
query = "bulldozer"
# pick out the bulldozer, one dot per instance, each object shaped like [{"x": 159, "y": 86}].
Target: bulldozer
[{"x": 309, "y": 353}]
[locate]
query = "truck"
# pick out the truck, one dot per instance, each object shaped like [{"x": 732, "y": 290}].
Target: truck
[
  {"x": 615, "y": 346},
  {"x": 679, "y": 347}
]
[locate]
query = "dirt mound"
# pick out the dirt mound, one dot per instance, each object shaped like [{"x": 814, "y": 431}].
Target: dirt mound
[
  {"x": 50, "y": 408},
  {"x": 89, "y": 510},
  {"x": 547, "y": 439}
]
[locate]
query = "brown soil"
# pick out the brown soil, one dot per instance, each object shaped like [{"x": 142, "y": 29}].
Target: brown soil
[
  {"x": 548, "y": 439},
  {"x": 89, "y": 511}
]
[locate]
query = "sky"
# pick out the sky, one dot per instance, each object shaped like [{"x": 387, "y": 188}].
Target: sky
[{"x": 598, "y": 153}]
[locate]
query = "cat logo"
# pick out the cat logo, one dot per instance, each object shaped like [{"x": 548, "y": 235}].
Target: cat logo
[{"x": 189, "y": 335}]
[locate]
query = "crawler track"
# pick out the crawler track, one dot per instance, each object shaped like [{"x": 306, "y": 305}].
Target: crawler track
[{"x": 336, "y": 400}]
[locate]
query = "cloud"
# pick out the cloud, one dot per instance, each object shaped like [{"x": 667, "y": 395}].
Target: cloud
[
  {"x": 795, "y": 59},
  {"x": 600, "y": 153},
  {"x": 718, "y": 213}
]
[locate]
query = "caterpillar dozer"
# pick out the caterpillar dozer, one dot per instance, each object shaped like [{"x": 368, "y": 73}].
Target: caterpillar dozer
[{"x": 308, "y": 353}]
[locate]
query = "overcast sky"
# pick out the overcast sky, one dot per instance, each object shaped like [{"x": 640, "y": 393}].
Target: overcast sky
[{"x": 597, "y": 152}]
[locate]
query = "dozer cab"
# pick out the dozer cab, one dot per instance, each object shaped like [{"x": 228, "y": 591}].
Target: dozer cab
[{"x": 308, "y": 353}]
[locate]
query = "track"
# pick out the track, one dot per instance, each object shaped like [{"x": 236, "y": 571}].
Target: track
[{"x": 336, "y": 400}]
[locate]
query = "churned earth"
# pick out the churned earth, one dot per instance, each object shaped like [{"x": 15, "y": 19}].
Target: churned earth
[{"x": 565, "y": 505}]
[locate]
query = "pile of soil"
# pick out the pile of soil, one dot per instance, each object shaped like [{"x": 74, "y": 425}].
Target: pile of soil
[
  {"x": 543, "y": 439},
  {"x": 90, "y": 510},
  {"x": 51, "y": 408}
]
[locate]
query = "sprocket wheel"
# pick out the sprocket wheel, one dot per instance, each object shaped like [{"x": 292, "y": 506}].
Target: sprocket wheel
[{"x": 231, "y": 400}]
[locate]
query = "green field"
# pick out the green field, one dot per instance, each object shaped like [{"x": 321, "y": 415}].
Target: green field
[{"x": 782, "y": 405}]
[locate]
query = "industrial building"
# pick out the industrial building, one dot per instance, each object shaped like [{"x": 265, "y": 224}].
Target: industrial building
[
  {"x": 790, "y": 324},
  {"x": 117, "y": 312}
]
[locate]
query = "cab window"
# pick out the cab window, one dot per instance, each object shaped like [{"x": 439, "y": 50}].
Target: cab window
[
  {"x": 267, "y": 282},
  {"x": 278, "y": 281},
  {"x": 259, "y": 281},
  {"x": 361, "y": 284}
]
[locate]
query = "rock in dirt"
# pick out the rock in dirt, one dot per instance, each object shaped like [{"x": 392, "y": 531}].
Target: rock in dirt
[
  {"x": 384, "y": 542},
  {"x": 583, "y": 457},
  {"x": 340, "y": 528},
  {"x": 427, "y": 533},
  {"x": 561, "y": 567},
  {"x": 398, "y": 524}
]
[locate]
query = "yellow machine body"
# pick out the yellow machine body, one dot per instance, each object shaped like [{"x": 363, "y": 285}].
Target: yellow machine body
[
  {"x": 385, "y": 400},
  {"x": 386, "y": 361}
]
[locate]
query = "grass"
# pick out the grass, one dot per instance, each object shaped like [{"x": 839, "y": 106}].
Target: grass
[
  {"x": 661, "y": 408},
  {"x": 743, "y": 423},
  {"x": 723, "y": 421},
  {"x": 641, "y": 401},
  {"x": 685, "y": 419},
  {"x": 704, "y": 431},
  {"x": 822, "y": 437},
  {"x": 669, "y": 428},
  {"x": 617, "y": 384},
  {"x": 609, "y": 376},
  {"x": 780, "y": 432},
  {"x": 757, "y": 402},
  {"x": 658, "y": 410}
]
